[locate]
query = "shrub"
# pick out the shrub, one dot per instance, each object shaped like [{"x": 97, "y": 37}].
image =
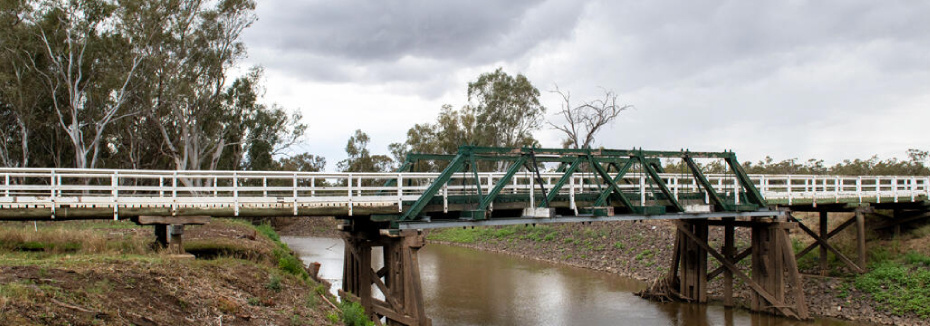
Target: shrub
[
  {"x": 274, "y": 283},
  {"x": 353, "y": 314}
]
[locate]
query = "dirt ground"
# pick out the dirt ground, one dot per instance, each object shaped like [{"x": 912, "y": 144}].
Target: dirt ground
[{"x": 156, "y": 288}]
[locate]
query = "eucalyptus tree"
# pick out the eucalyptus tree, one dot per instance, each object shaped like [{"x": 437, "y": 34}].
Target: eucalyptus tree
[
  {"x": 192, "y": 45},
  {"x": 503, "y": 111},
  {"x": 359, "y": 158},
  {"x": 87, "y": 67},
  {"x": 20, "y": 96}
]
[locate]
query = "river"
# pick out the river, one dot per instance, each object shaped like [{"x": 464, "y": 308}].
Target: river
[{"x": 468, "y": 287}]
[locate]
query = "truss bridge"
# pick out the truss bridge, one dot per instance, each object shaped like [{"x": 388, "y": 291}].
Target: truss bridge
[{"x": 492, "y": 186}]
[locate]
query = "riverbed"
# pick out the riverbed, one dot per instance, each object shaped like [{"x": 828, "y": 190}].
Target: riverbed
[{"x": 463, "y": 286}]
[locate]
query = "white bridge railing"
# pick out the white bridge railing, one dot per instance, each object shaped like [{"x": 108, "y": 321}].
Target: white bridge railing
[{"x": 51, "y": 188}]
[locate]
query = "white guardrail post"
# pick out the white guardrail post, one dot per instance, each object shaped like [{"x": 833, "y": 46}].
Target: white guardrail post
[
  {"x": 349, "y": 186},
  {"x": 114, "y": 193},
  {"x": 295, "y": 194},
  {"x": 400, "y": 192}
]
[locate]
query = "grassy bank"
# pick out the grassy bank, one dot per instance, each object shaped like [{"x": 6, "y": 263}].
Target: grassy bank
[{"x": 107, "y": 273}]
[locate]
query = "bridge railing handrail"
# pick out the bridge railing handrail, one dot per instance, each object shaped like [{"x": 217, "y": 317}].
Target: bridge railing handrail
[{"x": 118, "y": 187}]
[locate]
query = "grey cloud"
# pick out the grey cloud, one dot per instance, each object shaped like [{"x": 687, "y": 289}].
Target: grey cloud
[
  {"x": 375, "y": 37},
  {"x": 674, "y": 39}
]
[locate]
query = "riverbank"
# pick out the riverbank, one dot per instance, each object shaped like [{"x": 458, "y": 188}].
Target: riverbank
[
  {"x": 107, "y": 273},
  {"x": 893, "y": 293},
  {"x": 643, "y": 251}
]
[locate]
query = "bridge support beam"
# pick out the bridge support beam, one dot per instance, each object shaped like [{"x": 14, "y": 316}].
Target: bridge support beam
[
  {"x": 773, "y": 269},
  {"x": 398, "y": 280}
]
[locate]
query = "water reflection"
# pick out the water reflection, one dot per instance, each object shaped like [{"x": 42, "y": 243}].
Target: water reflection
[{"x": 467, "y": 287}]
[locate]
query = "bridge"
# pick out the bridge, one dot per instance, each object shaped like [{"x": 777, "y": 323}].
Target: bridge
[{"x": 529, "y": 186}]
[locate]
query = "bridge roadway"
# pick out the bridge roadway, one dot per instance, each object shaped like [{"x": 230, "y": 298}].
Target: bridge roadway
[{"x": 39, "y": 194}]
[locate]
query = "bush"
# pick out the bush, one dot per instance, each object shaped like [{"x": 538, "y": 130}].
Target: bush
[
  {"x": 274, "y": 283},
  {"x": 353, "y": 314}
]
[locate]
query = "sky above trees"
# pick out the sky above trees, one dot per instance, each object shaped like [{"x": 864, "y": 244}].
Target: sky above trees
[{"x": 830, "y": 80}]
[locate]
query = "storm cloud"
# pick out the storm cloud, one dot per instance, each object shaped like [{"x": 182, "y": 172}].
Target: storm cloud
[{"x": 826, "y": 79}]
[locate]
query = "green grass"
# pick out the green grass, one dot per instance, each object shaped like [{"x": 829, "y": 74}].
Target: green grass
[
  {"x": 619, "y": 245},
  {"x": 901, "y": 285},
  {"x": 645, "y": 254}
]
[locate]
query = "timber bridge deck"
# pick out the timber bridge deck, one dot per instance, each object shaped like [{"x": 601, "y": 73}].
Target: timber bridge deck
[{"x": 534, "y": 186}]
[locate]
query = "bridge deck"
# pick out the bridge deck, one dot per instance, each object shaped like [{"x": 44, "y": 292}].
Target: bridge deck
[{"x": 28, "y": 194}]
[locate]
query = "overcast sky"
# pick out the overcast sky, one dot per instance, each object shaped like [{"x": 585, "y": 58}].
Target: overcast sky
[{"x": 787, "y": 79}]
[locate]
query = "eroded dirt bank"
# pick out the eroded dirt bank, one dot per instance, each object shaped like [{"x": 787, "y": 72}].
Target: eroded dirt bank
[{"x": 105, "y": 273}]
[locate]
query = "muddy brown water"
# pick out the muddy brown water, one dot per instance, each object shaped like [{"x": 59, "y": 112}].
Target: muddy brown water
[{"x": 463, "y": 286}]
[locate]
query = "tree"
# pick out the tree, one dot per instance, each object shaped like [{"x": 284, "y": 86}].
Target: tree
[
  {"x": 503, "y": 111},
  {"x": 360, "y": 159},
  {"x": 194, "y": 46},
  {"x": 88, "y": 72},
  {"x": 20, "y": 97},
  {"x": 305, "y": 162},
  {"x": 506, "y": 109},
  {"x": 583, "y": 122}
]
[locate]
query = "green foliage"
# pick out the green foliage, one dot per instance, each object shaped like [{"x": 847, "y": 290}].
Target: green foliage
[
  {"x": 645, "y": 254},
  {"x": 503, "y": 111},
  {"x": 292, "y": 265},
  {"x": 915, "y": 258},
  {"x": 151, "y": 86},
  {"x": 359, "y": 159},
  {"x": 274, "y": 283},
  {"x": 901, "y": 286},
  {"x": 268, "y": 231},
  {"x": 353, "y": 314},
  {"x": 619, "y": 245},
  {"x": 286, "y": 260}
]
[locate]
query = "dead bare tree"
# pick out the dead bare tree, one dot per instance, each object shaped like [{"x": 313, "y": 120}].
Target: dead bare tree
[{"x": 583, "y": 122}]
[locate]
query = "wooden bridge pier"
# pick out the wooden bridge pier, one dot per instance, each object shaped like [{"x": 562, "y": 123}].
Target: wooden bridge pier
[
  {"x": 773, "y": 268},
  {"x": 398, "y": 280}
]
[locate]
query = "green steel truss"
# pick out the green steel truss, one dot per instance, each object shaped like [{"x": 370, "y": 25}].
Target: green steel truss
[{"x": 604, "y": 167}]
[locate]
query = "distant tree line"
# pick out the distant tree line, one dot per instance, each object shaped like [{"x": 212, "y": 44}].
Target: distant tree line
[{"x": 915, "y": 164}]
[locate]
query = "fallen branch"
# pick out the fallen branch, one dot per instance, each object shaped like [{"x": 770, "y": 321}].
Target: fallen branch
[
  {"x": 327, "y": 301},
  {"x": 81, "y": 309}
]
